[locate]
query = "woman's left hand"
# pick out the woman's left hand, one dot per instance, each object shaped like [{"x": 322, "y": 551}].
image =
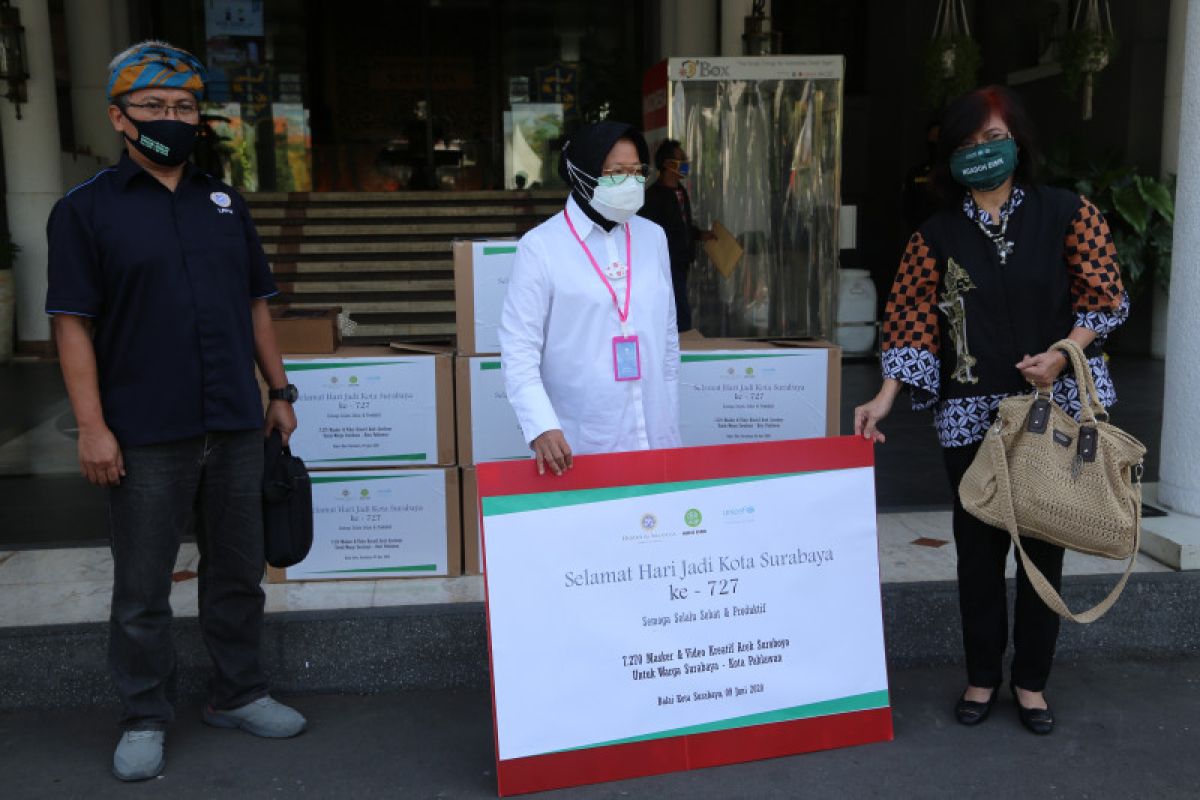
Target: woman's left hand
[{"x": 1042, "y": 369}]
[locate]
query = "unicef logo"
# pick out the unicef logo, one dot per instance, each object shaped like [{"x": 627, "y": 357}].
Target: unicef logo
[
  {"x": 220, "y": 199},
  {"x": 649, "y": 522},
  {"x": 693, "y": 517}
]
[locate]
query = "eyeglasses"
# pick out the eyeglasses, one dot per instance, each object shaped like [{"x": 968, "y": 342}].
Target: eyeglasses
[
  {"x": 156, "y": 110},
  {"x": 622, "y": 171},
  {"x": 987, "y": 138}
]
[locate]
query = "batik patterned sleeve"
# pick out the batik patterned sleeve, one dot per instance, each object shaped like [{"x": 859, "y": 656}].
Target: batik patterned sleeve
[
  {"x": 1097, "y": 294},
  {"x": 911, "y": 336}
]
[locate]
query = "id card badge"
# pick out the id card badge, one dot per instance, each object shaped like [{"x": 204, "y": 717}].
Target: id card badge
[{"x": 627, "y": 358}]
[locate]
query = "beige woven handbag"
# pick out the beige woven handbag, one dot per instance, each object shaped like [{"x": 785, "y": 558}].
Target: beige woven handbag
[{"x": 1075, "y": 484}]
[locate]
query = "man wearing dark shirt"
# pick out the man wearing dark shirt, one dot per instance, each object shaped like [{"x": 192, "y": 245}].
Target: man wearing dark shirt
[
  {"x": 667, "y": 203},
  {"x": 158, "y": 287}
]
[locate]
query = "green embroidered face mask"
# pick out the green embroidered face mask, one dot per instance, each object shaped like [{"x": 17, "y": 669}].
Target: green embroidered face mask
[{"x": 984, "y": 166}]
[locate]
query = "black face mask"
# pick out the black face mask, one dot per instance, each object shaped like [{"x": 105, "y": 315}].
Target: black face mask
[{"x": 168, "y": 142}]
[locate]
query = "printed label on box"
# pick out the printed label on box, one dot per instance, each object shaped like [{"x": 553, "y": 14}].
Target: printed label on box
[
  {"x": 373, "y": 411},
  {"x": 741, "y": 396},
  {"x": 491, "y": 264},
  {"x": 495, "y": 433},
  {"x": 376, "y": 523}
]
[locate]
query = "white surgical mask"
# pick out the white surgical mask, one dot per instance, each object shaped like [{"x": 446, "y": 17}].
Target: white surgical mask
[
  {"x": 619, "y": 202},
  {"x": 616, "y": 202}
]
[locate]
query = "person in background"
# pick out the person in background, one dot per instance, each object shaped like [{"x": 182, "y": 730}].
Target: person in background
[
  {"x": 985, "y": 287},
  {"x": 158, "y": 287},
  {"x": 668, "y": 204},
  {"x": 587, "y": 335}
]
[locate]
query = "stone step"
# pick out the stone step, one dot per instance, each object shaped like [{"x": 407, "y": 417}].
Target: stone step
[
  {"x": 393, "y": 648},
  {"x": 335, "y": 265},
  {"x": 259, "y": 199},
  {"x": 377, "y": 306},
  {"x": 348, "y": 214},
  {"x": 334, "y": 283},
  {"x": 455, "y": 230},
  {"x": 285, "y": 249}
]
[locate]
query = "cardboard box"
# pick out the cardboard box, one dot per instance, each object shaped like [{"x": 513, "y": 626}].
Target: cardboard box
[
  {"x": 306, "y": 330},
  {"x": 481, "y": 273},
  {"x": 735, "y": 391},
  {"x": 487, "y": 425},
  {"x": 368, "y": 407},
  {"x": 397, "y": 523},
  {"x": 472, "y": 544}
]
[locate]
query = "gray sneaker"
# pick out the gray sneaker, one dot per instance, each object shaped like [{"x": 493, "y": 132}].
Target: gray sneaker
[
  {"x": 264, "y": 717},
  {"x": 139, "y": 755}
]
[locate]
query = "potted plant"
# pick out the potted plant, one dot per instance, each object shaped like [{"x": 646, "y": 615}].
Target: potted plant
[
  {"x": 1140, "y": 211},
  {"x": 1087, "y": 49},
  {"x": 951, "y": 60},
  {"x": 8, "y": 255}
]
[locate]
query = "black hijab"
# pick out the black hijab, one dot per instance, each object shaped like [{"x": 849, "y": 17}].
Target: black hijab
[{"x": 586, "y": 149}]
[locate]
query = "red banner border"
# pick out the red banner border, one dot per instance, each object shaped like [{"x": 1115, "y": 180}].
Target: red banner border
[{"x": 655, "y": 757}]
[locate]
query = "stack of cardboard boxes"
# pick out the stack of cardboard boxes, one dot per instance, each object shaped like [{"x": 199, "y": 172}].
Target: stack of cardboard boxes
[{"x": 393, "y": 435}]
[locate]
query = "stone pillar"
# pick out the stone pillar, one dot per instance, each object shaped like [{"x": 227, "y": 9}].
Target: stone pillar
[
  {"x": 1169, "y": 162},
  {"x": 688, "y": 28},
  {"x": 89, "y": 49},
  {"x": 33, "y": 170},
  {"x": 1179, "y": 482},
  {"x": 733, "y": 24}
]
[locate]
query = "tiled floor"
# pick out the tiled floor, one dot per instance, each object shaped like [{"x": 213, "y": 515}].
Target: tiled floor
[
  {"x": 56, "y": 586},
  {"x": 55, "y": 566}
]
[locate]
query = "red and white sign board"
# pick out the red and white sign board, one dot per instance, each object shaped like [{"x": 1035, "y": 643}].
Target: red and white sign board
[{"x": 667, "y": 610}]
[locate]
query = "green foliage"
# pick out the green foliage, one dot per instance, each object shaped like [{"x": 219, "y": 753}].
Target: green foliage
[
  {"x": 1140, "y": 211},
  {"x": 951, "y": 68},
  {"x": 8, "y": 252}
]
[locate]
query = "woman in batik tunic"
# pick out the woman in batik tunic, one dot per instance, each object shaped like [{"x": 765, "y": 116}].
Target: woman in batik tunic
[{"x": 985, "y": 287}]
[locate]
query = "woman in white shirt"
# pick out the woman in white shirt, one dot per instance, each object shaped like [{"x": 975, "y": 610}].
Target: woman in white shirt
[{"x": 588, "y": 337}]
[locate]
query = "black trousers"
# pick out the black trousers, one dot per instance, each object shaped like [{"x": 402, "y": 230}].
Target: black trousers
[
  {"x": 210, "y": 485},
  {"x": 983, "y": 596}
]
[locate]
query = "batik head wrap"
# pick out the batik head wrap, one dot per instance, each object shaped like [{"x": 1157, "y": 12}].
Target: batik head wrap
[{"x": 155, "y": 65}]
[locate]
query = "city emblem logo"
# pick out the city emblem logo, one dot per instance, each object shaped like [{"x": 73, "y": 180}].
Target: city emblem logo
[
  {"x": 364, "y": 493},
  {"x": 345, "y": 492},
  {"x": 749, "y": 370},
  {"x": 693, "y": 518},
  {"x": 353, "y": 379},
  {"x": 220, "y": 199},
  {"x": 649, "y": 521}
]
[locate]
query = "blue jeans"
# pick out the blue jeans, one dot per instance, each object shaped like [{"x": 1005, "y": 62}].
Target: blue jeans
[{"x": 211, "y": 485}]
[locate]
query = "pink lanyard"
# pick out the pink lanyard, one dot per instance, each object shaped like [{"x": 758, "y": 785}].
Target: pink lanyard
[{"x": 623, "y": 315}]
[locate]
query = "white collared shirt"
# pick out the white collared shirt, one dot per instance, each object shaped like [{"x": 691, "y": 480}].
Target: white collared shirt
[{"x": 557, "y": 330}]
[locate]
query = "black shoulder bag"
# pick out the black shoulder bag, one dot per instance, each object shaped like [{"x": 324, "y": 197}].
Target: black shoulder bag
[{"x": 287, "y": 505}]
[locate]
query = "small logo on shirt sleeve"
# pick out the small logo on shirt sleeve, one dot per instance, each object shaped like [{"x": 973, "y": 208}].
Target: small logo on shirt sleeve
[{"x": 222, "y": 201}]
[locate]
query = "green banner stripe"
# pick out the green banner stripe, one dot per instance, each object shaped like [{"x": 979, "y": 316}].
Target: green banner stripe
[
  {"x": 489, "y": 365},
  {"x": 413, "y": 568},
  {"x": 825, "y": 708},
  {"x": 511, "y": 504},
  {"x": 688, "y": 358},
  {"x": 305, "y": 366},
  {"x": 499, "y": 251},
  {"x": 395, "y": 457},
  {"x": 356, "y": 478}
]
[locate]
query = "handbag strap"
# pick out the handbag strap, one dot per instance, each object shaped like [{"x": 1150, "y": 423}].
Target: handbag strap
[
  {"x": 1089, "y": 398},
  {"x": 1040, "y": 584}
]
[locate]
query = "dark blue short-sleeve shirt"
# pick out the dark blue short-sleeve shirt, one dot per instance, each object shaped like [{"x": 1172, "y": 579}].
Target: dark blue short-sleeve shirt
[{"x": 168, "y": 278}]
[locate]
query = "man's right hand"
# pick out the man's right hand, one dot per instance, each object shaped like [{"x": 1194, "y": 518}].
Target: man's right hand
[
  {"x": 551, "y": 449},
  {"x": 100, "y": 457}
]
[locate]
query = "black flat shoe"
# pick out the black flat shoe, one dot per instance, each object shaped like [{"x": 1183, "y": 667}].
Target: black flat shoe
[
  {"x": 1036, "y": 720},
  {"x": 968, "y": 712}
]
